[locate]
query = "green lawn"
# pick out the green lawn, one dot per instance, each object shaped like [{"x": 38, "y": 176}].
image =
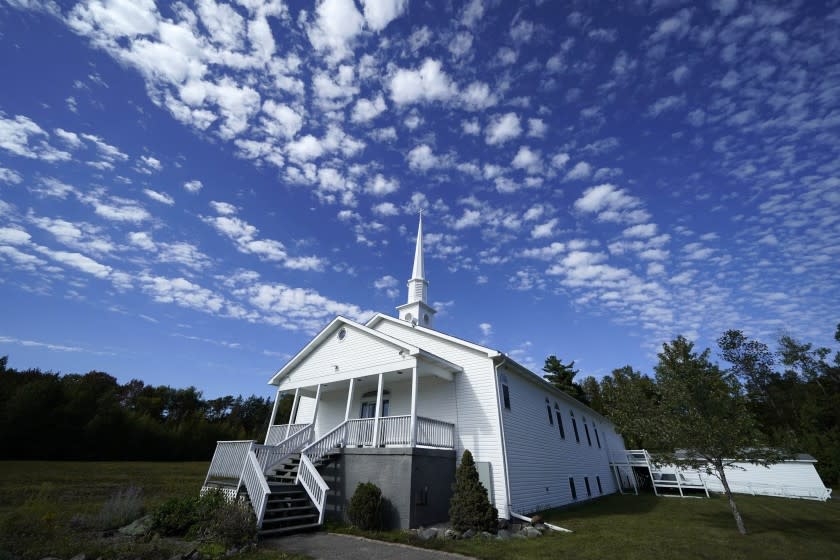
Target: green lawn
[
  {"x": 40, "y": 499},
  {"x": 649, "y": 528}
]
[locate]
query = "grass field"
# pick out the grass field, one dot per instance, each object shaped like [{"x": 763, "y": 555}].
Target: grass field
[
  {"x": 47, "y": 495},
  {"x": 651, "y": 528}
]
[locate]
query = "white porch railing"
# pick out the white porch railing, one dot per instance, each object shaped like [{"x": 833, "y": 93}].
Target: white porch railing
[
  {"x": 280, "y": 432},
  {"x": 395, "y": 430},
  {"x": 435, "y": 433},
  {"x": 360, "y": 432},
  {"x": 228, "y": 461}
]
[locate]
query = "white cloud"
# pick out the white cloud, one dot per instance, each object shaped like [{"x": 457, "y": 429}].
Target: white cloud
[
  {"x": 337, "y": 24},
  {"x": 477, "y": 96},
  {"x": 611, "y": 204},
  {"x": 428, "y": 83},
  {"x": 161, "y": 197},
  {"x": 388, "y": 284},
  {"x": 380, "y": 186},
  {"x": 640, "y": 230},
  {"x": 366, "y": 110},
  {"x": 10, "y": 176},
  {"x": 546, "y": 229},
  {"x": 581, "y": 170},
  {"x": 193, "y": 186},
  {"x": 281, "y": 120},
  {"x": 666, "y": 104},
  {"x": 559, "y": 160},
  {"x": 528, "y": 160},
  {"x": 23, "y": 137},
  {"x": 69, "y": 138},
  {"x": 149, "y": 164},
  {"x": 385, "y": 209},
  {"x": 305, "y": 149},
  {"x": 461, "y": 44},
  {"x": 486, "y": 329},
  {"x": 471, "y": 127},
  {"x": 422, "y": 158},
  {"x": 379, "y": 13},
  {"x": 470, "y": 218},
  {"x": 472, "y": 13},
  {"x": 503, "y": 128},
  {"x": 536, "y": 128}
]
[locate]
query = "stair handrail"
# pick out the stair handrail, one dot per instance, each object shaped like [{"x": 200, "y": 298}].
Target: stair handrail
[
  {"x": 315, "y": 486},
  {"x": 337, "y": 437},
  {"x": 256, "y": 485},
  {"x": 271, "y": 455}
]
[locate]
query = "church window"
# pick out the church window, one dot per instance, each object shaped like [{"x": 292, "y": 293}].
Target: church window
[
  {"x": 342, "y": 333},
  {"x": 586, "y": 429},
  {"x": 597, "y": 439},
  {"x": 505, "y": 392},
  {"x": 574, "y": 426},
  {"x": 600, "y": 489},
  {"x": 559, "y": 421},
  {"x": 548, "y": 409},
  {"x": 408, "y": 317},
  {"x": 369, "y": 404},
  {"x": 572, "y": 488},
  {"x": 425, "y": 318},
  {"x": 588, "y": 489}
]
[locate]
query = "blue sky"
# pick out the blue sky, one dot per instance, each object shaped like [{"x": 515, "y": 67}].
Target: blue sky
[{"x": 189, "y": 191}]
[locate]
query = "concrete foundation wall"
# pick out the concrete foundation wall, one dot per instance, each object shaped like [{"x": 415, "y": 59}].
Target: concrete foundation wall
[{"x": 416, "y": 483}]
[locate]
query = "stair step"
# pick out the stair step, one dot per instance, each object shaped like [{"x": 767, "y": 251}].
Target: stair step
[
  {"x": 274, "y": 520},
  {"x": 286, "y": 530},
  {"x": 289, "y": 509}
]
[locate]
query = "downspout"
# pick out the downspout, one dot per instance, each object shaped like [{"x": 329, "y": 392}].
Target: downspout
[{"x": 502, "y": 430}]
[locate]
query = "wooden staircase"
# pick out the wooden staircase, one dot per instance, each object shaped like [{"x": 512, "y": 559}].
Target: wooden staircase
[{"x": 289, "y": 508}]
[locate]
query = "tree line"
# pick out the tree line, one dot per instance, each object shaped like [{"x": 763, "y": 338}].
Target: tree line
[
  {"x": 45, "y": 415},
  {"x": 782, "y": 401}
]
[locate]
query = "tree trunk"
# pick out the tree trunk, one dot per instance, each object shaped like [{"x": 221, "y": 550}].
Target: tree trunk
[{"x": 738, "y": 521}]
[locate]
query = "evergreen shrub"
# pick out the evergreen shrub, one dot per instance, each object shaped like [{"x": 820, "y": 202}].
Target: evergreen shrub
[
  {"x": 365, "y": 509},
  {"x": 470, "y": 508}
]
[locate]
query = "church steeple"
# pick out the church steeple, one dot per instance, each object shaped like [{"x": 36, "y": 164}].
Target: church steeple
[{"x": 416, "y": 310}]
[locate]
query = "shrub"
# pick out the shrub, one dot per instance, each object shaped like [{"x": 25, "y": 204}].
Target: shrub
[
  {"x": 365, "y": 509},
  {"x": 123, "y": 507},
  {"x": 470, "y": 507},
  {"x": 211, "y": 517}
]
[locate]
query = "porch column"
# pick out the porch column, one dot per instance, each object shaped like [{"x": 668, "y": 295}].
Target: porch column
[
  {"x": 317, "y": 402},
  {"x": 349, "y": 400},
  {"x": 293, "y": 413},
  {"x": 273, "y": 416},
  {"x": 378, "y": 412},
  {"x": 413, "y": 426}
]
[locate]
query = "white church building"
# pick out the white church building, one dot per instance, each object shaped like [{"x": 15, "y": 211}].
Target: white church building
[{"x": 396, "y": 402}]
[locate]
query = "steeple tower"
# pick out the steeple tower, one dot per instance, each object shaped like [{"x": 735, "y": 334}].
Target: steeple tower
[{"x": 416, "y": 310}]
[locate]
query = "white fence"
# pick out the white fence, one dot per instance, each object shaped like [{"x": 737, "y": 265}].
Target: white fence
[{"x": 280, "y": 432}]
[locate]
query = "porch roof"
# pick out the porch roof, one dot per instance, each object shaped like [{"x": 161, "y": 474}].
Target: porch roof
[{"x": 336, "y": 323}]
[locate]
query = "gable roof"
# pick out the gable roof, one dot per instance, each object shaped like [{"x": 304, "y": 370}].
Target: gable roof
[
  {"x": 335, "y": 324},
  {"x": 449, "y": 338},
  {"x": 326, "y": 332}
]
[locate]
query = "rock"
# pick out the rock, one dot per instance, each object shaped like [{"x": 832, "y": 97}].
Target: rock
[
  {"x": 540, "y": 526},
  {"x": 530, "y": 532},
  {"x": 177, "y": 557},
  {"x": 138, "y": 527},
  {"x": 485, "y": 535},
  {"x": 504, "y": 524},
  {"x": 50, "y": 558},
  {"x": 503, "y": 535},
  {"x": 518, "y": 536},
  {"x": 450, "y": 534},
  {"x": 428, "y": 534},
  {"x": 468, "y": 534},
  {"x": 80, "y": 556}
]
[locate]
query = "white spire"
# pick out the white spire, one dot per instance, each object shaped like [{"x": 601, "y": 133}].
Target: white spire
[
  {"x": 416, "y": 310},
  {"x": 419, "y": 272}
]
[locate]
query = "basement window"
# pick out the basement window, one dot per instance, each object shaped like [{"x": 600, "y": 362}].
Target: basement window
[
  {"x": 548, "y": 409},
  {"x": 505, "y": 391},
  {"x": 572, "y": 488}
]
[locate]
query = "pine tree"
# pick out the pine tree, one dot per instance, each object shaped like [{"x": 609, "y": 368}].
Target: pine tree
[{"x": 470, "y": 508}]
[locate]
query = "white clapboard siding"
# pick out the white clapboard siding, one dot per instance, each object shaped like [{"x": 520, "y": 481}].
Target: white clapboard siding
[
  {"x": 335, "y": 357},
  {"x": 475, "y": 410},
  {"x": 304, "y": 413},
  {"x": 540, "y": 461}
]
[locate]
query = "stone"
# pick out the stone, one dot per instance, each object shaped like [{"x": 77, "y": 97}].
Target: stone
[
  {"x": 468, "y": 534},
  {"x": 518, "y": 536},
  {"x": 450, "y": 534},
  {"x": 177, "y": 557},
  {"x": 485, "y": 535},
  {"x": 80, "y": 556},
  {"x": 504, "y": 524},
  {"x": 428, "y": 534},
  {"x": 503, "y": 535},
  {"x": 138, "y": 527},
  {"x": 540, "y": 526},
  {"x": 530, "y": 532},
  {"x": 50, "y": 558}
]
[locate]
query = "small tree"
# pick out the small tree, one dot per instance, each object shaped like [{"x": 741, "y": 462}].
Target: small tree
[
  {"x": 365, "y": 508},
  {"x": 562, "y": 376},
  {"x": 702, "y": 409},
  {"x": 470, "y": 508}
]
